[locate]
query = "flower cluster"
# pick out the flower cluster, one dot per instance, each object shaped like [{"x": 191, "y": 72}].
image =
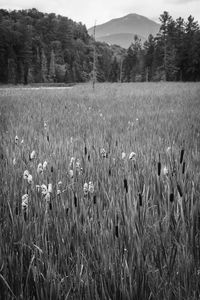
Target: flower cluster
[
  {"x": 88, "y": 188},
  {"x": 27, "y": 176}
]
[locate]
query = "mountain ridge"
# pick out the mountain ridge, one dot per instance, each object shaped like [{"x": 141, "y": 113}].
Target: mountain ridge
[{"x": 130, "y": 25}]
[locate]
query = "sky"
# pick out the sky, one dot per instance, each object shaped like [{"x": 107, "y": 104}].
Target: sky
[{"x": 89, "y": 11}]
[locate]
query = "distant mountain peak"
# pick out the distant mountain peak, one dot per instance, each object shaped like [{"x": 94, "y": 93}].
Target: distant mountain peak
[{"x": 122, "y": 30}]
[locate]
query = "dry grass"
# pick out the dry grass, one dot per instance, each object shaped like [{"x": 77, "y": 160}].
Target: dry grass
[{"x": 137, "y": 236}]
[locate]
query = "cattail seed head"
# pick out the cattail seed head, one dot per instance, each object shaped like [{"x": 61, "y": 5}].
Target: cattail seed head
[
  {"x": 116, "y": 231},
  {"x": 179, "y": 190},
  {"x": 126, "y": 185},
  {"x": 171, "y": 197},
  {"x": 75, "y": 201},
  {"x": 140, "y": 199},
  {"x": 85, "y": 150},
  {"x": 159, "y": 168},
  {"x": 183, "y": 168},
  {"x": 181, "y": 156}
]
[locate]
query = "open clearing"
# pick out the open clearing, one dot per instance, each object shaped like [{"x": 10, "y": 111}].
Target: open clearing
[{"x": 136, "y": 233}]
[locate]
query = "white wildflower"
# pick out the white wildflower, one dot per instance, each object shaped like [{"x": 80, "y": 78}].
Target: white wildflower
[
  {"x": 59, "y": 183},
  {"x": 168, "y": 150},
  {"x": 91, "y": 187},
  {"x": 25, "y": 202},
  {"x": 123, "y": 155},
  {"x": 72, "y": 161},
  {"x": 16, "y": 139},
  {"x": 103, "y": 152},
  {"x": 45, "y": 125},
  {"x": 44, "y": 189},
  {"x": 22, "y": 141},
  {"x": 165, "y": 171},
  {"x": 132, "y": 156},
  {"x": 44, "y": 165},
  {"x": 71, "y": 173},
  {"x": 30, "y": 178},
  {"x": 47, "y": 197},
  {"x": 37, "y": 188},
  {"x": 50, "y": 189},
  {"x": 32, "y": 155},
  {"x": 58, "y": 192},
  {"x": 25, "y": 175},
  {"x": 85, "y": 188},
  {"x": 40, "y": 168},
  {"x": 14, "y": 161}
]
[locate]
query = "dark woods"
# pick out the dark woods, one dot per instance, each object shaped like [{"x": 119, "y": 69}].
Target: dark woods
[{"x": 40, "y": 47}]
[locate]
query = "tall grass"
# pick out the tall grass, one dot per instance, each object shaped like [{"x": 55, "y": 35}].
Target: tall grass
[{"x": 137, "y": 236}]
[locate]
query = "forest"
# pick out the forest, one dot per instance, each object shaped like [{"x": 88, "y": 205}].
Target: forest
[{"x": 38, "y": 47}]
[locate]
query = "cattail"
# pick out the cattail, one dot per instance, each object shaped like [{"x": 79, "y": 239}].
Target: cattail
[
  {"x": 140, "y": 199},
  {"x": 75, "y": 201},
  {"x": 159, "y": 168},
  {"x": 2, "y": 156},
  {"x": 94, "y": 199},
  {"x": 171, "y": 197},
  {"x": 50, "y": 205},
  {"x": 88, "y": 157},
  {"x": 116, "y": 143},
  {"x": 47, "y": 138},
  {"x": 85, "y": 149},
  {"x": 183, "y": 168},
  {"x": 51, "y": 169},
  {"x": 109, "y": 172},
  {"x": 179, "y": 190},
  {"x": 126, "y": 185},
  {"x": 116, "y": 231},
  {"x": 181, "y": 156}
]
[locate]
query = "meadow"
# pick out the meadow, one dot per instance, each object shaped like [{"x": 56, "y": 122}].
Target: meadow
[{"x": 100, "y": 191}]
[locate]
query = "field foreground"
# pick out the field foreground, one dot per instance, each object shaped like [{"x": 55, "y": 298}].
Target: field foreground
[{"x": 89, "y": 219}]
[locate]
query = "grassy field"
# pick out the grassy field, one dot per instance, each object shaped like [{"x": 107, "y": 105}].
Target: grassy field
[{"x": 134, "y": 231}]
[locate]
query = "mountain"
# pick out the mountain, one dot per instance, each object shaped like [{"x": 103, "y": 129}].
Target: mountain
[{"x": 122, "y": 30}]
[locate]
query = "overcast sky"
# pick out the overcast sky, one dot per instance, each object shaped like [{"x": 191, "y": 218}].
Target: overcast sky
[{"x": 87, "y": 11}]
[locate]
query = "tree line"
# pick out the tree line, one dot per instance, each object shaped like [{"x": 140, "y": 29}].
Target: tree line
[
  {"x": 172, "y": 55},
  {"x": 40, "y": 47}
]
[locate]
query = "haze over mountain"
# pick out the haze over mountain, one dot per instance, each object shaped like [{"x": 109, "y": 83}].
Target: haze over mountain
[{"x": 121, "y": 31}]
